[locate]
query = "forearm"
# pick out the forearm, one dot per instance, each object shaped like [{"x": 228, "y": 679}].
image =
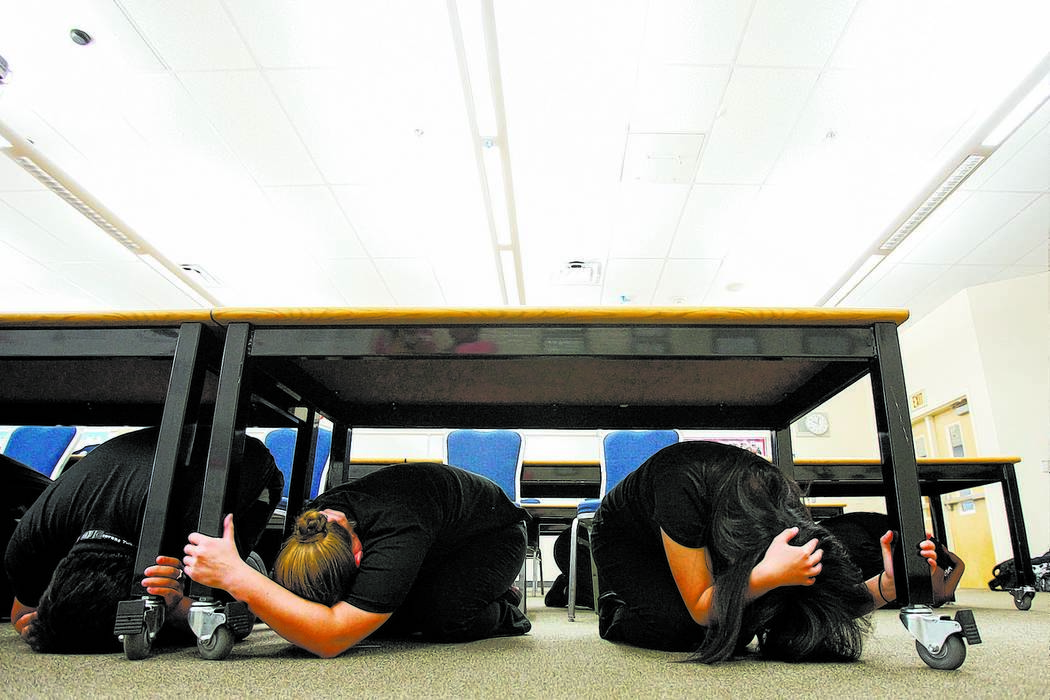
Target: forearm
[
  {"x": 702, "y": 608},
  {"x": 882, "y": 590},
  {"x": 308, "y": 625}
]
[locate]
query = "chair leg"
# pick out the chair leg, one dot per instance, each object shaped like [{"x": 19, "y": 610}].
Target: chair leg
[{"x": 572, "y": 569}]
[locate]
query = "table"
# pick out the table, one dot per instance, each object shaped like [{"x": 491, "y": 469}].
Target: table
[
  {"x": 572, "y": 368},
  {"x": 863, "y": 477},
  {"x": 580, "y": 368}
]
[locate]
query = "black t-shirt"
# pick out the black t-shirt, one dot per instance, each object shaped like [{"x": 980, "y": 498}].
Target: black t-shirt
[
  {"x": 409, "y": 515},
  {"x": 106, "y": 490},
  {"x": 669, "y": 491}
]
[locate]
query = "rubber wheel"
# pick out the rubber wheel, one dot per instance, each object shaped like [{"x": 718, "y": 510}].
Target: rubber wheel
[
  {"x": 136, "y": 646},
  {"x": 950, "y": 657},
  {"x": 1024, "y": 602},
  {"x": 218, "y": 646}
]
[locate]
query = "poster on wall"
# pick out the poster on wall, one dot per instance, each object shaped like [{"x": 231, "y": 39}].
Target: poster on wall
[{"x": 760, "y": 445}]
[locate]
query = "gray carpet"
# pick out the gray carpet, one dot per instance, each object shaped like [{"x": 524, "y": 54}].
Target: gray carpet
[{"x": 557, "y": 659}]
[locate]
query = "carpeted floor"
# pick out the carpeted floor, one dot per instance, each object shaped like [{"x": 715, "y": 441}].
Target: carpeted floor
[{"x": 558, "y": 659}]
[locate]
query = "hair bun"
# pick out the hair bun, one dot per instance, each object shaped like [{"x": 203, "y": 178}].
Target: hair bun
[{"x": 311, "y": 526}]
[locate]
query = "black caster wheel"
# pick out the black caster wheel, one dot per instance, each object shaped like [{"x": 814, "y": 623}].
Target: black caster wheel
[
  {"x": 136, "y": 646},
  {"x": 1024, "y": 602},
  {"x": 218, "y": 646},
  {"x": 949, "y": 658}
]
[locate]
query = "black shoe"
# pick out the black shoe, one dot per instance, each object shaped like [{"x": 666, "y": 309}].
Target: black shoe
[{"x": 610, "y": 609}]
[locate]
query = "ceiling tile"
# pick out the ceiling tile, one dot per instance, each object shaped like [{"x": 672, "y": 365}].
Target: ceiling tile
[
  {"x": 631, "y": 281},
  {"x": 49, "y": 230},
  {"x": 14, "y": 178},
  {"x": 981, "y": 215},
  {"x": 897, "y": 287},
  {"x": 743, "y": 146},
  {"x": 677, "y": 98},
  {"x": 789, "y": 33},
  {"x": 699, "y": 32},
  {"x": 1026, "y": 171},
  {"x": 312, "y": 217},
  {"x": 645, "y": 219},
  {"x": 411, "y": 281},
  {"x": 685, "y": 282},
  {"x": 245, "y": 112},
  {"x": 357, "y": 281},
  {"x": 1014, "y": 239},
  {"x": 714, "y": 216},
  {"x": 190, "y": 34}
]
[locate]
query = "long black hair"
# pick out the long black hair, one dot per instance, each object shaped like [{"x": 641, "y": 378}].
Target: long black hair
[{"x": 752, "y": 503}]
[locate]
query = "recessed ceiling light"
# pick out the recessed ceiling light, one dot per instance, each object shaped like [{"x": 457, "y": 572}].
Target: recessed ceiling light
[
  {"x": 80, "y": 37},
  {"x": 735, "y": 286}
]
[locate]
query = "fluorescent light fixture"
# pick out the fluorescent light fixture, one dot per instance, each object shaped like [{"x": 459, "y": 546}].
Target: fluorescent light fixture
[
  {"x": 77, "y": 203},
  {"x": 493, "y": 160},
  {"x": 508, "y": 261},
  {"x": 52, "y": 177},
  {"x": 469, "y": 21},
  {"x": 856, "y": 278},
  {"x": 1017, "y": 116},
  {"x": 939, "y": 194}
]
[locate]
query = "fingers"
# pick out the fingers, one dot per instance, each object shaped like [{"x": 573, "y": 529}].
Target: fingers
[
  {"x": 227, "y": 527},
  {"x": 786, "y": 535}
]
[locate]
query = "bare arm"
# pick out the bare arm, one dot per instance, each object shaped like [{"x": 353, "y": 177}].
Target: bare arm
[
  {"x": 883, "y": 588},
  {"x": 21, "y": 617},
  {"x": 322, "y": 630},
  {"x": 782, "y": 565}
]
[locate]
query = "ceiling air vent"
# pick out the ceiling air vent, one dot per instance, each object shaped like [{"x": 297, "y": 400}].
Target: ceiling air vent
[
  {"x": 201, "y": 275},
  {"x": 667, "y": 159},
  {"x": 579, "y": 272}
]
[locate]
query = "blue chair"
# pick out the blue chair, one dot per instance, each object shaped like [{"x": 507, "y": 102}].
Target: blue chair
[
  {"x": 281, "y": 444},
  {"x": 40, "y": 447},
  {"x": 497, "y": 455},
  {"x": 620, "y": 452}
]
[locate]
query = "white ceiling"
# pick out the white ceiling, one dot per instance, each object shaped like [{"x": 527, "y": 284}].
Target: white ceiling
[{"x": 334, "y": 153}]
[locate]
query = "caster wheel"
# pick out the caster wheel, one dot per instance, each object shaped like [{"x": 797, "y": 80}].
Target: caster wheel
[
  {"x": 950, "y": 657},
  {"x": 218, "y": 646},
  {"x": 136, "y": 646},
  {"x": 1024, "y": 602}
]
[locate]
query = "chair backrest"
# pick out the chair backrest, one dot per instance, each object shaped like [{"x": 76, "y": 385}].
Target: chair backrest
[
  {"x": 281, "y": 443},
  {"x": 40, "y": 446},
  {"x": 496, "y": 454},
  {"x": 623, "y": 451}
]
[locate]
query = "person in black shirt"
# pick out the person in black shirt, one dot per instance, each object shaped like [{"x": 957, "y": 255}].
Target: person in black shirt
[
  {"x": 22, "y": 486},
  {"x": 706, "y": 545},
  {"x": 412, "y": 548},
  {"x": 72, "y": 555}
]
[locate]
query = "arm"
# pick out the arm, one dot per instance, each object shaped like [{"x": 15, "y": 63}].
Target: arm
[
  {"x": 21, "y": 617},
  {"x": 782, "y": 565},
  {"x": 322, "y": 630},
  {"x": 883, "y": 588}
]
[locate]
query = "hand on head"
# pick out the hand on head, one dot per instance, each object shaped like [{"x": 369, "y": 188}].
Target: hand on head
[{"x": 785, "y": 564}]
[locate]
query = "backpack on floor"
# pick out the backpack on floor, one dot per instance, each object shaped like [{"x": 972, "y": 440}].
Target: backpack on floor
[{"x": 1004, "y": 574}]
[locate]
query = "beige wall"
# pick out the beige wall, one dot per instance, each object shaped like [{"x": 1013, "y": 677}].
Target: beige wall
[{"x": 991, "y": 343}]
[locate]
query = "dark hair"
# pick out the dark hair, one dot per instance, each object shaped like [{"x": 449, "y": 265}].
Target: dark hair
[
  {"x": 317, "y": 562},
  {"x": 78, "y": 610},
  {"x": 752, "y": 503}
]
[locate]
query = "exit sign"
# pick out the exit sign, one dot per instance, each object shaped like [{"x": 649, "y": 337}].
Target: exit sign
[{"x": 918, "y": 399}]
